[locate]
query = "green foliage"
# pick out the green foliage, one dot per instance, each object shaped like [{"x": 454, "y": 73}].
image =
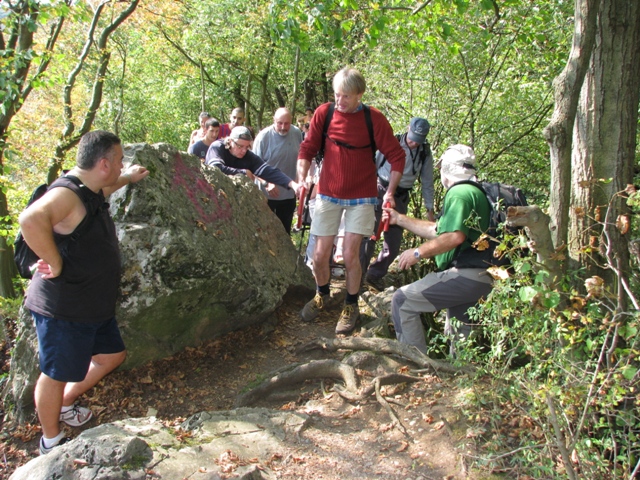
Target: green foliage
[{"x": 548, "y": 345}]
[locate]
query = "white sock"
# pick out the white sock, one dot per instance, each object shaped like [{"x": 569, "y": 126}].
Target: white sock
[{"x": 51, "y": 442}]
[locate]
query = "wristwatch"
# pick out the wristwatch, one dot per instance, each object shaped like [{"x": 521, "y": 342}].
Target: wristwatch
[{"x": 416, "y": 253}]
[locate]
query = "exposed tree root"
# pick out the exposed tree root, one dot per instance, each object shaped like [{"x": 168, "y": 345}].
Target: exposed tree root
[
  {"x": 334, "y": 369},
  {"x": 376, "y": 383},
  {"x": 375, "y": 386},
  {"x": 298, "y": 374},
  {"x": 386, "y": 346}
]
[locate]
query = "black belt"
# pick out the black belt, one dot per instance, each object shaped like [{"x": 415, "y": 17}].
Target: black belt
[{"x": 399, "y": 190}]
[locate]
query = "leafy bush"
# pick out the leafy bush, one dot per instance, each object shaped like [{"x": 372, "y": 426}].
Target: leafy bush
[{"x": 559, "y": 379}]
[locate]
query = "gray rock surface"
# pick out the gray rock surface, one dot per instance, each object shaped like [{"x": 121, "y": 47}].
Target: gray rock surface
[
  {"x": 209, "y": 445},
  {"x": 202, "y": 255}
]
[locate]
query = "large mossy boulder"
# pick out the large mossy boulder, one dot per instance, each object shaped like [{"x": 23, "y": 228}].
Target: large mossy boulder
[{"x": 202, "y": 255}]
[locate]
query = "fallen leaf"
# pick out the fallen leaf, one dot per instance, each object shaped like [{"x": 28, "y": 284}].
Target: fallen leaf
[
  {"x": 403, "y": 446},
  {"x": 498, "y": 273},
  {"x": 594, "y": 286},
  {"x": 438, "y": 426},
  {"x": 427, "y": 418},
  {"x": 622, "y": 224}
]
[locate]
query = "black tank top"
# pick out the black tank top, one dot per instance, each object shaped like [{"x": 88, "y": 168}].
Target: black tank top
[{"x": 87, "y": 289}]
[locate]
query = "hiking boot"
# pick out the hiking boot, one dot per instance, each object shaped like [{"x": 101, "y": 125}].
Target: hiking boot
[
  {"x": 376, "y": 283},
  {"x": 44, "y": 450},
  {"x": 348, "y": 319},
  {"x": 313, "y": 307},
  {"x": 77, "y": 416}
]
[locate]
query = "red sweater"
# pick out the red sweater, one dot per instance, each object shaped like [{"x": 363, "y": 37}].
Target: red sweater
[{"x": 351, "y": 173}]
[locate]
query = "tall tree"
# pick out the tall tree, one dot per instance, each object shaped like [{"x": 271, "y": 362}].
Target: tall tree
[
  {"x": 71, "y": 135},
  {"x": 23, "y": 63},
  {"x": 592, "y": 136}
]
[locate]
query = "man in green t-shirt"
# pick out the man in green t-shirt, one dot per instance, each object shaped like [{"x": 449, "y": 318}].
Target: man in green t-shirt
[{"x": 450, "y": 288}]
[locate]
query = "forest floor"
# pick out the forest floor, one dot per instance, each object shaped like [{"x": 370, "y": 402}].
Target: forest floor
[{"x": 344, "y": 440}]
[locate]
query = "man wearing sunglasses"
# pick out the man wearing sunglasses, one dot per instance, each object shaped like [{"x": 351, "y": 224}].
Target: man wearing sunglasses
[{"x": 233, "y": 156}]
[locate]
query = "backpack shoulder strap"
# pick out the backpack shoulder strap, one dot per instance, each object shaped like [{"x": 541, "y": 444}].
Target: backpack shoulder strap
[
  {"x": 90, "y": 202},
  {"x": 372, "y": 140},
  {"x": 327, "y": 122},
  {"x": 425, "y": 150},
  {"x": 469, "y": 182}
]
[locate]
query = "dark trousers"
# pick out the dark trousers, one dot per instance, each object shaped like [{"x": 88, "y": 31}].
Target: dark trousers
[
  {"x": 392, "y": 238},
  {"x": 284, "y": 211}
]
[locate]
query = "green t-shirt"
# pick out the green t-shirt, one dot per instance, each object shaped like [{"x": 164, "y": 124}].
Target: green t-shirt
[{"x": 462, "y": 203}]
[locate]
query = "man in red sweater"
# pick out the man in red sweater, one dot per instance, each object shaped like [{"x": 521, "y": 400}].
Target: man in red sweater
[{"x": 348, "y": 184}]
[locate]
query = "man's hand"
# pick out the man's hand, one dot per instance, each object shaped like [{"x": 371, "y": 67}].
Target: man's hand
[
  {"x": 135, "y": 173},
  {"x": 45, "y": 270},
  {"x": 389, "y": 199},
  {"x": 298, "y": 188},
  {"x": 407, "y": 259},
  {"x": 391, "y": 214},
  {"x": 272, "y": 190}
]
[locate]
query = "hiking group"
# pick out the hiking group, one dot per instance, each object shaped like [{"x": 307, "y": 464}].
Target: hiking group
[{"x": 363, "y": 181}]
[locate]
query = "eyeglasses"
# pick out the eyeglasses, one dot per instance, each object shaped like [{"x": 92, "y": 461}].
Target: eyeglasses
[{"x": 241, "y": 147}]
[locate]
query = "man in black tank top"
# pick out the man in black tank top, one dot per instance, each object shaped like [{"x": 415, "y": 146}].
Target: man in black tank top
[{"x": 72, "y": 296}]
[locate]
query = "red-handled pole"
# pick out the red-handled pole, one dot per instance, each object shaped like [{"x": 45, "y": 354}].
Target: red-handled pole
[
  {"x": 303, "y": 194},
  {"x": 382, "y": 227}
]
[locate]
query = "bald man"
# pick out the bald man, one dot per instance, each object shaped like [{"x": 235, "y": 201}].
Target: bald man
[{"x": 278, "y": 145}]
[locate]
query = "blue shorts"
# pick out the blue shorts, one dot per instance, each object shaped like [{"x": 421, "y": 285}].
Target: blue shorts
[{"x": 66, "y": 347}]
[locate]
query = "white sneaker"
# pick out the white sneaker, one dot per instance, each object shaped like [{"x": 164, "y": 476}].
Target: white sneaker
[
  {"x": 44, "y": 450},
  {"x": 77, "y": 416}
]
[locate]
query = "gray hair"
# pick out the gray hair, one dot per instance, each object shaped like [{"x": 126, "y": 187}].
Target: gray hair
[{"x": 349, "y": 80}]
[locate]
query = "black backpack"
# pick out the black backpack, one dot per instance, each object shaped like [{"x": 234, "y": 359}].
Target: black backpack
[
  {"x": 23, "y": 256},
  {"x": 500, "y": 197}
]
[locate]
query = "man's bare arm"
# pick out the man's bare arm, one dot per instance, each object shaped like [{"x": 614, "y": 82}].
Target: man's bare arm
[
  {"x": 389, "y": 196},
  {"x": 302, "y": 168},
  {"x": 60, "y": 209},
  {"x": 422, "y": 228}
]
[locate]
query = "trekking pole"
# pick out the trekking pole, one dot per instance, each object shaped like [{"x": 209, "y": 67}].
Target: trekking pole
[
  {"x": 301, "y": 203},
  {"x": 383, "y": 226}
]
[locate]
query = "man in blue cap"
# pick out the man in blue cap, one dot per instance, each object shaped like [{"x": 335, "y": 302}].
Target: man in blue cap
[{"x": 418, "y": 163}]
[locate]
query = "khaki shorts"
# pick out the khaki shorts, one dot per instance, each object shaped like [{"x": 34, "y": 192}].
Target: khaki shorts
[{"x": 359, "y": 219}]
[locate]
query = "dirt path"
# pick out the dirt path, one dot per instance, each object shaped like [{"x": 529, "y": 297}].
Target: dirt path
[{"x": 345, "y": 440}]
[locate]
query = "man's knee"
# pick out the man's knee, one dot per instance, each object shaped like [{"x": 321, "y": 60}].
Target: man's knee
[
  {"x": 109, "y": 360},
  {"x": 46, "y": 382}
]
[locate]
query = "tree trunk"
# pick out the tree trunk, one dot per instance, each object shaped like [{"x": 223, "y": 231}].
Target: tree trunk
[
  {"x": 70, "y": 136},
  {"x": 605, "y": 141},
  {"x": 559, "y": 131},
  {"x": 296, "y": 74},
  {"x": 17, "y": 41}
]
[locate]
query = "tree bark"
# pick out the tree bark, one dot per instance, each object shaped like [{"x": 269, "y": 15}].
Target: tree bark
[
  {"x": 605, "y": 140},
  {"x": 70, "y": 137},
  {"x": 16, "y": 43},
  {"x": 558, "y": 133}
]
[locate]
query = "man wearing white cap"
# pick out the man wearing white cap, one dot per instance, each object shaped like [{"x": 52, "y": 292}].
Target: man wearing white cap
[
  {"x": 233, "y": 156},
  {"x": 450, "y": 288}
]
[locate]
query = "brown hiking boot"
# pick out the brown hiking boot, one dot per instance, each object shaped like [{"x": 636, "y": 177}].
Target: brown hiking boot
[
  {"x": 348, "y": 319},
  {"x": 317, "y": 304}
]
